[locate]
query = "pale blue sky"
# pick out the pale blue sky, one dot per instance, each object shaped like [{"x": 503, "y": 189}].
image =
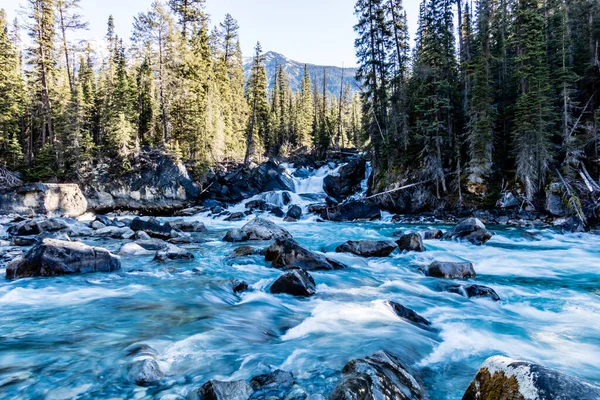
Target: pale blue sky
[{"x": 311, "y": 31}]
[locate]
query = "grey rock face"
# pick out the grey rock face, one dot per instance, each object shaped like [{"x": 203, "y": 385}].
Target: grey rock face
[{"x": 49, "y": 199}]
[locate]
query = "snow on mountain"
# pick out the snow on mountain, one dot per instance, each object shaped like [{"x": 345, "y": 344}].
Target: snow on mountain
[{"x": 295, "y": 70}]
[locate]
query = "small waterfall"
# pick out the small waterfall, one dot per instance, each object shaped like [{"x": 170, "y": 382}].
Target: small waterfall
[{"x": 364, "y": 184}]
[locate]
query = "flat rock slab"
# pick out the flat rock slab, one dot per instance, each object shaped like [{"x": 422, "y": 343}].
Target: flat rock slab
[{"x": 54, "y": 257}]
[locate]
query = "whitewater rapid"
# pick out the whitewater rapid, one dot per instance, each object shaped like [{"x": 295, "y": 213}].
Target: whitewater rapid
[{"x": 66, "y": 337}]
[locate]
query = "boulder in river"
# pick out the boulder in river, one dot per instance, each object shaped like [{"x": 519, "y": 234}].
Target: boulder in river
[
  {"x": 144, "y": 370},
  {"x": 470, "y": 229},
  {"x": 49, "y": 199},
  {"x": 288, "y": 253},
  {"x": 430, "y": 234},
  {"x": 152, "y": 227},
  {"x": 408, "y": 314},
  {"x": 172, "y": 252},
  {"x": 411, "y": 242},
  {"x": 379, "y": 376},
  {"x": 294, "y": 212},
  {"x": 237, "y": 216},
  {"x": 187, "y": 226},
  {"x": 357, "y": 210},
  {"x": 368, "y": 248},
  {"x": 508, "y": 379},
  {"x": 114, "y": 232},
  {"x": 238, "y": 285},
  {"x": 245, "y": 251},
  {"x": 474, "y": 291},
  {"x": 257, "y": 229},
  {"x": 37, "y": 226},
  {"x": 451, "y": 270},
  {"x": 133, "y": 249},
  {"x": 274, "y": 385},
  {"x": 348, "y": 180},
  {"x": 54, "y": 257},
  {"x": 296, "y": 282},
  {"x": 219, "y": 390}
]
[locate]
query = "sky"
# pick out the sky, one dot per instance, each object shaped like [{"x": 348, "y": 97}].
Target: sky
[{"x": 309, "y": 31}]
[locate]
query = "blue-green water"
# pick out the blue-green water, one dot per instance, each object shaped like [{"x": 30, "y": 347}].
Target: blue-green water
[{"x": 66, "y": 337}]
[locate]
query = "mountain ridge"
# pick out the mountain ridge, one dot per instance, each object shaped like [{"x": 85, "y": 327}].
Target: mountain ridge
[{"x": 295, "y": 71}]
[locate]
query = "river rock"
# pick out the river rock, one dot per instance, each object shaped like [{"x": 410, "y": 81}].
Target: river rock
[
  {"x": 115, "y": 233},
  {"x": 294, "y": 212},
  {"x": 274, "y": 385},
  {"x": 49, "y": 199},
  {"x": 98, "y": 225},
  {"x": 145, "y": 372},
  {"x": 156, "y": 184},
  {"x": 408, "y": 314},
  {"x": 470, "y": 229},
  {"x": 348, "y": 180},
  {"x": 277, "y": 211},
  {"x": 219, "y": 390},
  {"x": 379, "y": 376},
  {"x": 238, "y": 285},
  {"x": 23, "y": 241},
  {"x": 357, "y": 210},
  {"x": 36, "y": 226},
  {"x": 257, "y": 229},
  {"x": 55, "y": 257},
  {"x": 451, "y": 270},
  {"x": 297, "y": 282},
  {"x": 133, "y": 249},
  {"x": 152, "y": 244},
  {"x": 508, "y": 379},
  {"x": 103, "y": 219},
  {"x": 237, "y": 216},
  {"x": 430, "y": 234},
  {"x": 508, "y": 200},
  {"x": 411, "y": 242},
  {"x": 152, "y": 227},
  {"x": 474, "y": 291},
  {"x": 172, "y": 252},
  {"x": 368, "y": 248},
  {"x": 288, "y": 253},
  {"x": 187, "y": 226},
  {"x": 245, "y": 251},
  {"x": 573, "y": 225}
]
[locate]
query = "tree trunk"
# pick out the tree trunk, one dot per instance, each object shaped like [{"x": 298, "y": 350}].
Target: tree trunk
[{"x": 63, "y": 31}]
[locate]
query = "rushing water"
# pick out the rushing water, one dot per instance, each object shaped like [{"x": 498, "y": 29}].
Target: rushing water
[{"x": 67, "y": 337}]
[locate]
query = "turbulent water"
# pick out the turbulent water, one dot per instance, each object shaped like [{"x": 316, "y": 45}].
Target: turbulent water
[{"x": 68, "y": 337}]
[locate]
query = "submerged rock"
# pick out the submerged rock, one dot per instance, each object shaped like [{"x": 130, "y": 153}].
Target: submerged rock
[
  {"x": 471, "y": 229},
  {"x": 144, "y": 370},
  {"x": 411, "y": 242},
  {"x": 289, "y": 254},
  {"x": 54, "y": 257},
  {"x": 474, "y": 291},
  {"x": 379, "y": 376},
  {"x": 408, "y": 314},
  {"x": 368, "y": 248},
  {"x": 507, "y": 379},
  {"x": 219, "y": 390},
  {"x": 257, "y": 229},
  {"x": 297, "y": 282},
  {"x": 451, "y": 270}
]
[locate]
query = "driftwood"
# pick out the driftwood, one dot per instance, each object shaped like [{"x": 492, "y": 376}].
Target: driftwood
[
  {"x": 407, "y": 186},
  {"x": 8, "y": 179}
]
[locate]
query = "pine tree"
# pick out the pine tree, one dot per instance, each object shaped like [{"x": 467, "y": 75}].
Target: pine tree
[
  {"x": 480, "y": 128},
  {"x": 189, "y": 13},
  {"x": 154, "y": 33},
  {"x": 373, "y": 73},
  {"x": 69, "y": 20},
  {"x": 11, "y": 97},
  {"x": 304, "y": 111},
  {"x": 256, "y": 93},
  {"x": 146, "y": 104},
  {"x": 531, "y": 132},
  {"x": 42, "y": 61}
]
